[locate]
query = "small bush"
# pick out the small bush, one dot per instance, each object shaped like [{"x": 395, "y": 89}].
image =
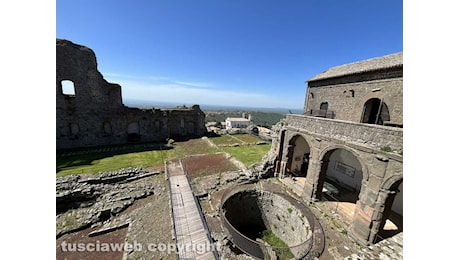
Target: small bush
[{"x": 386, "y": 149}]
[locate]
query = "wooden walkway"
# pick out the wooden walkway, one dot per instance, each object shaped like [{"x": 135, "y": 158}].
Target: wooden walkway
[{"x": 192, "y": 236}]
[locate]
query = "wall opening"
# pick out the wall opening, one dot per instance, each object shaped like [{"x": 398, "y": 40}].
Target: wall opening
[
  {"x": 392, "y": 217},
  {"x": 340, "y": 178},
  {"x": 375, "y": 111},
  {"x": 324, "y": 106},
  {"x": 298, "y": 157},
  {"x": 68, "y": 88},
  {"x": 107, "y": 128},
  {"x": 134, "y": 132}
]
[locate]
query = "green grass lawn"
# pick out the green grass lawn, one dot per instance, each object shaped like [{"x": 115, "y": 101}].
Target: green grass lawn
[
  {"x": 250, "y": 139},
  {"x": 101, "y": 162},
  {"x": 225, "y": 140},
  {"x": 152, "y": 156},
  {"x": 235, "y": 139},
  {"x": 248, "y": 154}
]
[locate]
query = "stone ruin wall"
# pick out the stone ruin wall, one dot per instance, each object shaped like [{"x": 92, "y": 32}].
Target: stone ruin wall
[
  {"x": 96, "y": 116},
  {"x": 380, "y": 84}
]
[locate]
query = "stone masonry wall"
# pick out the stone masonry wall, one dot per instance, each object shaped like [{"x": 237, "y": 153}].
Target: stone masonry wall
[
  {"x": 95, "y": 114},
  {"x": 347, "y": 99},
  {"x": 284, "y": 219},
  {"x": 370, "y": 135}
]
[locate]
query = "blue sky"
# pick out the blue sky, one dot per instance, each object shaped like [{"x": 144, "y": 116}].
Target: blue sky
[{"x": 237, "y": 53}]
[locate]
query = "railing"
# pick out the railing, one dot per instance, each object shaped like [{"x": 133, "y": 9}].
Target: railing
[
  {"x": 321, "y": 113},
  {"x": 205, "y": 224},
  {"x": 254, "y": 248}
]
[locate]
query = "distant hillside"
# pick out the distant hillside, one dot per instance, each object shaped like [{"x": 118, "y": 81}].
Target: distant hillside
[
  {"x": 265, "y": 119},
  {"x": 160, "y": 104}
]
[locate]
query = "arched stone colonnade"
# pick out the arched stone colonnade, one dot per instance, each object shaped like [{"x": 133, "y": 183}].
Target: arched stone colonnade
[{"x": 379, "y": 175}]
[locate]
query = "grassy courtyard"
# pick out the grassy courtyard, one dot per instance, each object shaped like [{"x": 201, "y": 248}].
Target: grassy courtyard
[{"x": 153, "y": 155}]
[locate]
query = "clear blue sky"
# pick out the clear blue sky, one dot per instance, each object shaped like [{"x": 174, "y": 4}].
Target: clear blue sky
[{"x": 238, "y": 52}]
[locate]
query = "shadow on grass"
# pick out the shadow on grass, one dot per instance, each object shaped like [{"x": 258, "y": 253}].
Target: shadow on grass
[{"x": 80, "y": 157}]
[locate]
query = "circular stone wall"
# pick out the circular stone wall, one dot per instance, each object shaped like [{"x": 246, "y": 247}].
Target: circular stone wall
[{"x": 248, "y": 213}]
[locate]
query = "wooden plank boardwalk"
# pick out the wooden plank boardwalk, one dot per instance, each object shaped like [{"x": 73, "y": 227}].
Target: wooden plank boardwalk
[{"x": 192, "y": 236}]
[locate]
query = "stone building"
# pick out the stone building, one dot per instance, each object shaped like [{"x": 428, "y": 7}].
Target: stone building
[
  {"x": 90, "y": 111},
  {"x": 238, "y": 122},
  {"x": 347, "y": 145}
]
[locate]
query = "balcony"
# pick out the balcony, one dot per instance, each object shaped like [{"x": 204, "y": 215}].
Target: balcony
[
  {"x": 321, "y": 113},
  {"x": 375, "y": 136}
]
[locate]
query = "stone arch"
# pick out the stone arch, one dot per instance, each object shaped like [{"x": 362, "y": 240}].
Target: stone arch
[
  {"x": 345, "y": 177},
  {"x": 324, "y": 106},
  {"x": 298, "y": 155},
  {"x": 323, "y": 152},
  {"x": 362, "y": 101},
  {"x": 391, "y": 219},
  {"x": 390, "y": 181},
  {"x": 375, "y": 111}
]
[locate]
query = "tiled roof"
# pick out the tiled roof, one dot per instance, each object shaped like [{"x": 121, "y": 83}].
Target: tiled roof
[{"x": 383, "y": 62}]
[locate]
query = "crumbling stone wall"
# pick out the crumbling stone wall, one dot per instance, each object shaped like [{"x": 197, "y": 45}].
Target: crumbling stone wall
[{"x": 95, "y": 114}]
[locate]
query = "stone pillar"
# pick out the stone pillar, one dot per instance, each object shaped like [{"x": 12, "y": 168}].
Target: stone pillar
[
  {"x": 379, "y": 213},
  {"x": 282, "y": 169},
  {"x": 311, "y": 184},
  {"x": 360, "y": 228},
  {"x": 369, "y": 208}
]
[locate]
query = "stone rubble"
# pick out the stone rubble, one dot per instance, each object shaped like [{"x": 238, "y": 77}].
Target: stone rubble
[{"x": 83, "y": 200}]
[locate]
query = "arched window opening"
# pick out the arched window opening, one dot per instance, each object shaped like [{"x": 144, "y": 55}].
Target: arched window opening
[
  {"x": 298, "y": 157},
  {"x": 375, "y": 111},
  {"x": 352, "y": 93},
  {"x": 68, "y": 87},
  {"x": 324, "y": 106},
  {"x": 311, "y": 95}
]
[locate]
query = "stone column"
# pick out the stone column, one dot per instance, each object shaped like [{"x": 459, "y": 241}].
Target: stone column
[
  {"x": 282, "y": 169},
  {"x": 311, "y": 184},
  {"x": 361, "y": 224},
  {"x": 369, "y": 207},
  {"x": 380, "y": 213}
]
